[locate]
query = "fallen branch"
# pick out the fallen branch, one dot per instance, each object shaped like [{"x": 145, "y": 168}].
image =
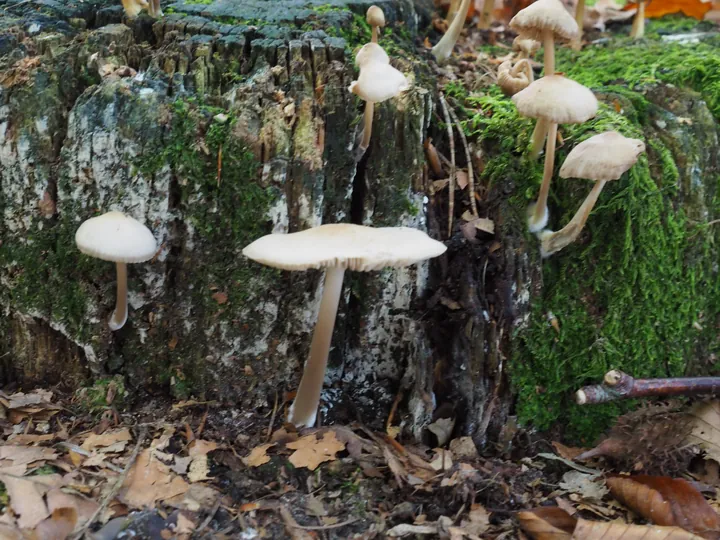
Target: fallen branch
[
  {"x": 451, "y": 185},
  {"x": 618, "y": 385},
  {"x": 471, "y": 176}
]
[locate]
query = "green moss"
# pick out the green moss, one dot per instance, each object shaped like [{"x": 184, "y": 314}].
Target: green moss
[
  {"x": 94, "y": 398},
  {"x": 634, "y": 293}
]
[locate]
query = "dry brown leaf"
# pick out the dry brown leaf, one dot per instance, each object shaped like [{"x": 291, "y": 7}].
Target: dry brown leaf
[
  {"x": 201, "y": 448},
  {"x": 567, "y": 452},
  {"x": 220, "y": 297},
  {"x": 26, "y": 499},
  {"x": 199, "y": 469},
  {"x": 667, "y": 501},
  {"x": 58, "y": 526},
  {"x": 84, "y": 508},
  {"x": 109, "y": 438},
  {"x": 258, "y": 455},
  {"x": 26, "y": 455},
  {"x": 705, "y": 418},
  {"x": 184, "y": 525},
  {"x": 599, "y": 530},
  {"x": 477, "y": 522},
  {"x": 442, "y": 460},
  {"x": 181, "y": 464},
  {"x": 463, "y": 448},
  {"x": 583, "y": 484},
  {"x": 150, "y": 480},
  {"x": 547, "y": 523},
  {"x": 311, "y": 451}
]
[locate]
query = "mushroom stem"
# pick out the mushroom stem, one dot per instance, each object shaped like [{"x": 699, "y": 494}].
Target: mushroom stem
[
  {"x": 539, "y": 216},
  {"x": 367, "y": 128},
  {"x": 579, "y": 19},
  {"x": 538, "y": 138},
  {"x": 638, "y": 26},
  {"x": 549, "y": 51},
  {"x": 304, "y": 409},
  {"x": 443, "y": 49},
  {"x": 552, "y": 242},
  {"x": 452, "y": 10},
  {"x": 375, "y": 34},
  {"x": 486, "y": 15},
  {"x": 119, "y": 316}
]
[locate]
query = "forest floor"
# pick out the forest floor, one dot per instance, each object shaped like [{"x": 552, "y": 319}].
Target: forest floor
[{"x": 75, "y": 466}]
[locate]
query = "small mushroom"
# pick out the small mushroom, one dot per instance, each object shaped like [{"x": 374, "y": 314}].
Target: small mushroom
[
  {"x": 576, "y": 42},
  {"x": 134, "y": 7},
  {"x": 638, "y": 26},
  {"x": 443, "y": 49},
  {"x": 378, "y": 81},
  {"x": 336, "y": 248},
  {"x": 524, "y": 46},
  {"x": 602, "y": 158},
  {"x": 511, "y": 79},
  {"x": 546, "y": 21},
  {"x": 486, "y": 15},
  {"x": 553, "y": 100},
  {"x": 120, "y": 239},
  {"x": 376, "y": 19}
]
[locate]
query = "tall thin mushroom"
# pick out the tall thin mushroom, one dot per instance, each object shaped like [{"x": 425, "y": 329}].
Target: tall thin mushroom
[
  {"x": 376, "y": 19},
  {"x": 638, "y": 25},
  {"x": 120, "y": 239},
  {"x": 547, "y": 21},
  {"x": 336, "y": 248},
  {"x": 576, "y": 42},
  {"x": 556, "y": 100},
  {"x": 378, "y": 81},
  {"x": 486, "y": 15},
  {"x": 443, "y": 49},
  {"x": 602, "y": 158}
]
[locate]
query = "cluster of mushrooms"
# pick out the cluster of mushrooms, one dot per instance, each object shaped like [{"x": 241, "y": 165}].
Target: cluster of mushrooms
[
  {"x": 121, "y": 239},
  {"x": 555, "y": 99}
]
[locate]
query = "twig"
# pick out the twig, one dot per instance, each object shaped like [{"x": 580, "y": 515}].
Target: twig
[
  {"x": 210, "y": 517},
  {"x": 113, "y": 492},
  {"x": 471, "y": 178},
  {"x": 324, "y": 527},
  {"x": 451, "y": 185},
  {"x": 272, "y": 418},
  {"x": 618, "y": 385},
  {"x": 393, "y": 409},
  {"x": 219, "y": 166}
]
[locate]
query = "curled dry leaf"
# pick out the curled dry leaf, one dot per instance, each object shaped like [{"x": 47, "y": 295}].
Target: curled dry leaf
[
  {"x": 667, "y": 501},
  {"x": 549, "y": 523},
  {"x": 705, "y": 419}
]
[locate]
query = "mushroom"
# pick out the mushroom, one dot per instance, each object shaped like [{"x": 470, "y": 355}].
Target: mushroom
[
  {"x": 443, "y": 49},
  {"x": 638, "y": 26},
  {"x": 336, "y": 247},
  {"x": 486, "y": 15},
  {"x": 120, "y": 239},
  {"x": 376, "y": 19},
  {"x": 546, "y": 21},
  {"x": 602, "y": 158},
  {"x": 553, "y": 100},
  {"x": 576, "y": 42},
  {"x": 524, "y": 46},
  {"x": 378, "y": 81},
  {"x": 512, "y": 79},
  {"x": 134, "y": 7}
]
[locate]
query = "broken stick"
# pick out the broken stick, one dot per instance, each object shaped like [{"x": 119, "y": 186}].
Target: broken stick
[{"x": 618, "y": 385}]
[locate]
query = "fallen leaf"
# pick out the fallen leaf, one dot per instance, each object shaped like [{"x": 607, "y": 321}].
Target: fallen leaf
[
  {"x": 599, "y": 530},
  {"x": 311, "y": 451},
  {"x": 405, "y": 529},
  {"x": 26, "y": 499},
  {"x": 150, "y": 480},
  {"x": 478, "y": 520},
  {"x": 461, "y": 178},
  {"x": 108, "y": 438},
  {"x": 258, "y": 455},
  {"x": 442, "y": 460},
  {"x": 583, "y": 484},
  {"x": 201, "y": 448},
  {"x": 199, "y": 469},
  {"x": 58, "y": 526},
  {"x": 659, "y": 8},
  {"x": 463, "y": 448},
  {"x": 315, "y": 507},
  {"x": 181, "y": 464},
  {"x": 567, "y": 452},
  {"x": 442, "y": 428},
  {"x": 705, "y": 418},
  {"x": 26, "y": 455},
  {"x": 667, "y": 501},
  {"x": 220, "y": 297},
  {"x": 84, "y": 508}
]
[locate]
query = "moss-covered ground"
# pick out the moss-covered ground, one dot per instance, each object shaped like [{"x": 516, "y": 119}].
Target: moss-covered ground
[{"x": 640, "y": 291}]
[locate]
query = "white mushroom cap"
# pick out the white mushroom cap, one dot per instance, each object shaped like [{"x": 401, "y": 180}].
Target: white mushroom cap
[
  {"x": 375, "y": 16},
  {"x": 344, "y": 245},
  {"x": 116, "y": 237},
  {"x": 545, "y": 15},
  {"x": 557, "y": 99},
  {"x": 371, "y": 53},
  {"x": 602, "y": 157},
  {"x": 379, "y": 82}
]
